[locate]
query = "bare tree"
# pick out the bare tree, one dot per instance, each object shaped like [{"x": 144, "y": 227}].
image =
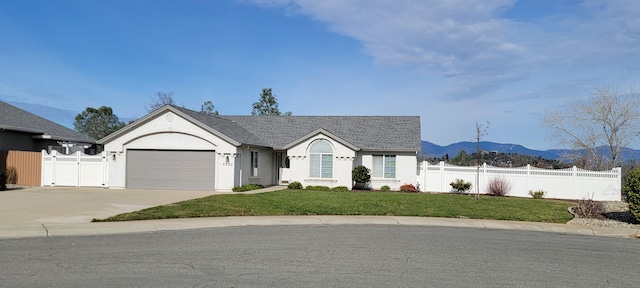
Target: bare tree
[
  {"x": 598, "y": 127},
  {"x": 162, "y": 98},
  {"x": 481, "y": 131}
]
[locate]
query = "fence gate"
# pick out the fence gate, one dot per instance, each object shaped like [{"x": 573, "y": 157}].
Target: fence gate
[{"x": 74, "y": 170}]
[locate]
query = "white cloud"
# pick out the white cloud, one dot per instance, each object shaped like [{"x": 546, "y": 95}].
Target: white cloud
[{"x": 473, "y": 43}]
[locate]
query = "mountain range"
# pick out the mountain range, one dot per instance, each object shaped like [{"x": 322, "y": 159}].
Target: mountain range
[{"x": 433, "y": 150}]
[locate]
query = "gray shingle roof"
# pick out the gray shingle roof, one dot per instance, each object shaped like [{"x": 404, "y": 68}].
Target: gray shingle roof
[
  {"x": 365, "y": 132},
  {"x": 225, "y": 126},
  {"x": 16, "y": 119}
]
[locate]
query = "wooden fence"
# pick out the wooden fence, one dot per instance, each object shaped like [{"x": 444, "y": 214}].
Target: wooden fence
[
  {"x": 22, "y": 167},
  {"x": 572, "y": 183}
]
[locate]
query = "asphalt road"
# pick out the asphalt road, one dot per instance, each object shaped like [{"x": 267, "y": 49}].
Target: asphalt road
[{"x": 322, "y": 256}]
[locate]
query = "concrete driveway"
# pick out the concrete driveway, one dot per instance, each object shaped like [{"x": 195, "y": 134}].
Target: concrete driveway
[{"x": 44, "y": 205}]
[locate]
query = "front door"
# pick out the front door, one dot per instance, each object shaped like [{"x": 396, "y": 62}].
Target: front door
[{"x": 278, "y": 167}]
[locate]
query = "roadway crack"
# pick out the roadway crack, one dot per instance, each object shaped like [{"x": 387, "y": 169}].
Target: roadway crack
[{"x": 46, "y": 230}]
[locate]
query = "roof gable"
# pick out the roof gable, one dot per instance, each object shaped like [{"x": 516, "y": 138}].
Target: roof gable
[
  {"x": 371, "y": 133},
  {"x": 223, "y": 128},
  {"x": 16, "y": 119}
]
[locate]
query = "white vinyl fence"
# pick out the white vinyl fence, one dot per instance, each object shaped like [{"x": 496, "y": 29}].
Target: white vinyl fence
[
  {"x": 74, "y": 170},
  {"x": 571, "y": 183}
]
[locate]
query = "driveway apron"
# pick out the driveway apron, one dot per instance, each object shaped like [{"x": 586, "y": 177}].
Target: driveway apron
[{"x": 42, "y": 205}]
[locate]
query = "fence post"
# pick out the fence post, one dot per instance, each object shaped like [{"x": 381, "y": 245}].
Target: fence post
[
  {"x": 78, "y": 168},
  {"x": 441, "y": 176},
  {"x": 484, "y": 177},
  {"x": 528, "y": 177},
  {"x": 105, "y": 169},
  {"x": 574, "y": 181},
  {"x": 42, "y": 166}
]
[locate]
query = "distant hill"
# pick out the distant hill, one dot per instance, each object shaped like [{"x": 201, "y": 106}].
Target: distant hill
[{"x": 432, "y": 150}]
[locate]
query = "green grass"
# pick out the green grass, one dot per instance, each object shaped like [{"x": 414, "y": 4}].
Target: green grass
[{"x": 303, "y": 202}]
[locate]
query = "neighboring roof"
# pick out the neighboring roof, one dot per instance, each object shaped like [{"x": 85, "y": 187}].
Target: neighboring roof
[
  {"x": 365, "y": 132},
  {"x": 15, "y": 119}
]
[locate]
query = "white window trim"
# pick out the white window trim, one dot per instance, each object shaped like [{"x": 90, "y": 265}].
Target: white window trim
[
  {"x": 321, "y": 154},
  {"x": 254, "y": 163},
  {"x": 384, "y": 160}
]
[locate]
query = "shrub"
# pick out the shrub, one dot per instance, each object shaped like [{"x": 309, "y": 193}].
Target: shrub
[
  {"x": 538, "y": 194},
  {"x": 589, "y": 208},
  {"x": 3, "y": 180},
  {"x": 360, "y": 175},
  {"x": 498, "y": 187},
  {"x": 247, "y": 187},
  {"x": 295, "y": 185},
  {"x": 385, "y": 188},
  {"x": 409, "y": 188},
  {"x": 632, "y": 189},
  {"x": 460, "y": 186},
  {"x": 340, "y": 188},
  {"x": 318, "y": 188}
]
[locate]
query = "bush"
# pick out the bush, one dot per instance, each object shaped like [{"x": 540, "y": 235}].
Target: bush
[
  {"x": 247, "y": 187},
  {"x": 460, "y": 186},
  {"x": 3, "y": 180},
  {"x": 409, "y": 188},
  {"x": 385, "y": 188},
  {"x": 589, "y": 208},
  {"x": 340, "y": 188},
  {"x": 498, "y": 187},
  {"x": 318, "y": 188},
  {"x": 538, "y": 194},
  {"x": 295, "y": 185},
  {"x": 360, "y": 175},
  {"x": 632, "y": 189}
]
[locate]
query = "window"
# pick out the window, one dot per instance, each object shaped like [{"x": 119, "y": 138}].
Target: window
[
  {"x": 254, "y": 163},
  {"x": 321, "y": 156},
  {"x": 384, "y": 166}
]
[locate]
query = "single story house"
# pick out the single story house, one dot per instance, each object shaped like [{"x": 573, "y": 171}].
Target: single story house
[
  {"x": 24, "y": 131},
  {"x": 177, "y": 148}
]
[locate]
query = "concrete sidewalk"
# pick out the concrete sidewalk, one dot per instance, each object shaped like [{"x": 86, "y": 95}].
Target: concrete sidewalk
[{"x": 67, "y": 211}]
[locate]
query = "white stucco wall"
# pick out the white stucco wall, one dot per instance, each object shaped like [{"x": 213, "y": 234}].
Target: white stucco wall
[
  {"x": 406, "y": 169},
  {"x": 168, "y": 131},
  {"x": 298, "y": 155}
]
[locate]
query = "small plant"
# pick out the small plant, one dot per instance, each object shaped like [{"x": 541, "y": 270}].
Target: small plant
[
  {"x": 247, "y": 187},
  {"x": 538, "y": 194},
  {"x": 295, "y": 185},
  {"x": 460, "y": 186},
  {"x": 589, "y": 208},
  {"x": 3, "y": 180},
  {"x": 632, "y": 188},
  {"x": 385, "y": 188},
  {"x": 340, "y": 189},
  {"x": 318, "y": 188},
  {"x": 409, "y": 188},
  {"x": 498, "y": 187},
  {"x": 360, "y": 175}
]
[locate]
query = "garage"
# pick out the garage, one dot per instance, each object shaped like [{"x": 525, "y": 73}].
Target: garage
[{"x": 170, "y": 169}]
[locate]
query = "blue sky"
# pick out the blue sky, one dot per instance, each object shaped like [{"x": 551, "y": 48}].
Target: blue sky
[{"x": 454, "y": 63}]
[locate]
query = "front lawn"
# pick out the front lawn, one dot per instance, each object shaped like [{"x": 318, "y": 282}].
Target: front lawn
[{"x": 303, "y": 202}]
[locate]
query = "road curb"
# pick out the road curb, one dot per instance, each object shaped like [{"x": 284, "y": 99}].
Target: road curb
[{"x": 146, "y": 226}]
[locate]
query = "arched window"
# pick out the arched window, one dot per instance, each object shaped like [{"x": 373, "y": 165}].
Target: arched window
[{"x": 321, "y": 155}]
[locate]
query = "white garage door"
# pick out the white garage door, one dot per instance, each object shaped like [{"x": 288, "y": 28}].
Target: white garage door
[{"x": 170, "y": 169}]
